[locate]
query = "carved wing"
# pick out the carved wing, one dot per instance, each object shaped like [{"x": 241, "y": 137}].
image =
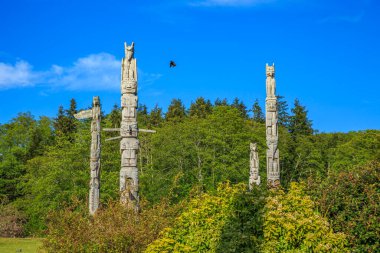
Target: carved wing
[{"x": 86, "y": 114}]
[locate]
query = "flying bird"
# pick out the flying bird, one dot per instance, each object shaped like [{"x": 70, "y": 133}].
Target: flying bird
[{"x": 172, "y": 64}]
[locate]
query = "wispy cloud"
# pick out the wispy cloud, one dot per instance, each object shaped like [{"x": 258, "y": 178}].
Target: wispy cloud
[
  {"x": 211, "y": 3},
  {"x": 20, "y": 74},
  {"x": 93, "y": 72},
  {"x": 147, "y": 79},
  {"x": 343, "y": 18}
]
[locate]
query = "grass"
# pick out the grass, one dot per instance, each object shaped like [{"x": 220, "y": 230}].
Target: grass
[{"x": 20, "y": 245}]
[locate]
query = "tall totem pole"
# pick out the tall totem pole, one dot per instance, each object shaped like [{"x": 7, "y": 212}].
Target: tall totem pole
[
  {"x": 129, "y": 144},
  {"x": 273, "y": 156},
  {"x": 93, "y": 113}
]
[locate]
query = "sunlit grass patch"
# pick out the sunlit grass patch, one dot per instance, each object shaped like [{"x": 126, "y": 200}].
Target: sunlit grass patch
[{"x": 24, "y": 245}]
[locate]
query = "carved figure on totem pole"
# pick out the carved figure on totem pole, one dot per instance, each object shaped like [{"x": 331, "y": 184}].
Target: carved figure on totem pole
[
  {"x": 129, "y": 69},
  {"x": 95, "y": 156},
  {"x": 254, "y": 177},
  {"x": 129, "y": 144},
  {"x": 95, "y": 149},
  {"x": 270, "y": 82},
  {"x": 129, "y": 105},
  {"x": 273, "y": 157}
]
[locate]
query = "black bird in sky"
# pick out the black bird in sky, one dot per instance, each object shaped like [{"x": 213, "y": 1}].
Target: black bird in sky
[{"x": 172, "y": 64}]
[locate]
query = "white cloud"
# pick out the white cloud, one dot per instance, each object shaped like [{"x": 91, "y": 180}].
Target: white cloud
[
  {"x": 93, "y": 72},
  {"x": 20, "y": 74},
  {"x": 230, "y": 2},
  {"x": 147, "y": 79}
]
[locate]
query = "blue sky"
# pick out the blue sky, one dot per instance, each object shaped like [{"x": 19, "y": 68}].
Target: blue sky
[{"x": 326, "y": 54}]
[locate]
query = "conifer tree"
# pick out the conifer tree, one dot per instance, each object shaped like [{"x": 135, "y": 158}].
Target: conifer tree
[
  {"x": 142, "y": 109},
  {"x": 299, "y": 123},
  {"x": 60, "y": 121},
  {"x": 219, "y": 102},
  {"x": 65, "y": 124},
  {"x": 142, "y": 115},
  {"x": 71, "y": 122},
  {"x": 258, "y": 115},
  {"x": 283, "y": 115},
  {"x": 155, "y": 116},
  {"x": 240, "y": 106},
  {"x": 176, "y": 111},
  {"x": 115, "y": 116},
  {"x": 201, "y": 108}
]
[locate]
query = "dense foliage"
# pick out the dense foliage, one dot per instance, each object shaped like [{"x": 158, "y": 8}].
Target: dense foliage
[
  {"x": 223, "y": 222},
  {"x": 44, "y": 166},
  {"x": 292, "y": 225},
  {"x": 11, "y": 221},
  {"x": 112, "y": 229},
  {"x": 351, "y": 201}
]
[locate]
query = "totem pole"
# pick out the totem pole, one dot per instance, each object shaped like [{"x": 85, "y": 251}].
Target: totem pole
[
  {"x": 93, "y": 113},
  {"x": 273, "y": 156},
  {"x": 254, "y": 177},
  {"x": 129, "y": 144}
]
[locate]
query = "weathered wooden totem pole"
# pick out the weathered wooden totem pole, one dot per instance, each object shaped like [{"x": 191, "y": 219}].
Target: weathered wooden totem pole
[
  {"x": 254, "y": 177},
  {"x": 93, "y": 113},
  {"x": 273, "y": 154},
  {"x": 129, "y": 144}
]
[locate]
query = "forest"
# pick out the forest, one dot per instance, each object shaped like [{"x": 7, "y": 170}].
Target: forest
[{"x": 193, "y": 183}]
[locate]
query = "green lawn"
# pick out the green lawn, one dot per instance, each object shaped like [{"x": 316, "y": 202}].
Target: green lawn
[{"x": 22, "y": 245}]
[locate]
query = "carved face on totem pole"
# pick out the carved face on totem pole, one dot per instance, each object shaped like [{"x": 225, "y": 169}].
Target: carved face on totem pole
[
  {"x": 95, "y": 101},
  {"x": 253, "y": 146},
  {"x": 270, "y": 70},
  {"x": 255, "y": 174}
]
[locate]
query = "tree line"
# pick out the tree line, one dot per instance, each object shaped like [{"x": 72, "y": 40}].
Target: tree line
[{"x": 44, "y": 169}]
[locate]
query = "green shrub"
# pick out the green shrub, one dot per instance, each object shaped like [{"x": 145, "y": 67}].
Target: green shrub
[
  {"x": 11, "y": 221},
  {"x": 112, "y": 229},
  {"x": 292, "y": 225},
  {"x": 351, "y": 200},
  {"x": 224, "y": 222},
  {"x": 243, "y": 231}
]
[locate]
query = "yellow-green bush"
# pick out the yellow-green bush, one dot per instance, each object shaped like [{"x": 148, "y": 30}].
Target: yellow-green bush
[
  {"x": 292, "y": 225},
  {"x": 200, "y": 227}
]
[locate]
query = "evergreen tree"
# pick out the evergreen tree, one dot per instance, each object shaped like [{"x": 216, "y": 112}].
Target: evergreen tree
[
  {"x": 142, "y": 115},
  {"x": 41, "y": 137},
  {"x": 219, "y": 102},
  {"x": 71, "y": 121},
  {"x": 155, "y": 116},
  {"x": 299, "y": 123},
  {"x": 283, "y": 115},
  {"x": 60, "y": 121},
  {"x": 241, "y": 107},
  {"x": 142, "y": 109},
  {"x": 65, "y": 124},
  {"x": 258, "y": 115},
  {"x": 201, "y": 108},
  {"x": 176, "y": 111},
  {"x": 115, "y": 116}
]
